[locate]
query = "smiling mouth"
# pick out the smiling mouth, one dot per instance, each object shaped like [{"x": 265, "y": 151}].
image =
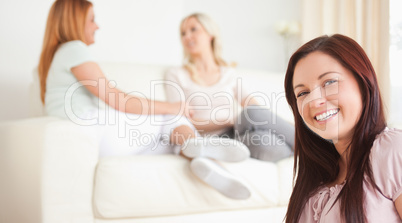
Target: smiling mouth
[{"x": 326, "y": 115}]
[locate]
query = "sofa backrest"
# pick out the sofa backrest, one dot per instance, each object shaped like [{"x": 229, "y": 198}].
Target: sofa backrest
[{"x": 137, "y": 79}]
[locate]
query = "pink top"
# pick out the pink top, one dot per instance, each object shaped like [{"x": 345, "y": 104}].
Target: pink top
[{"x": 386, "y": 161}]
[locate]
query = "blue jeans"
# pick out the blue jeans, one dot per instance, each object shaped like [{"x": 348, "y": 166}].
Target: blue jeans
[{"x": 268, "y": 136}]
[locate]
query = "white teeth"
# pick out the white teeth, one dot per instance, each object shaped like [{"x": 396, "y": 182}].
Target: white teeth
[{"x": 326, "y": 115}]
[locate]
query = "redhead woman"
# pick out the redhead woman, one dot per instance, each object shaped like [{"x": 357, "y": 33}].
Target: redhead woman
[
  {"x": 212, "y": 88},
  {"x": 348, "y": 163},
  {"x": 72, "y": 84}
]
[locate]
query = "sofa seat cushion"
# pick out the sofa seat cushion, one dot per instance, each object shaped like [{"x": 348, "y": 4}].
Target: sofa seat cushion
[{"x": 144, "y": 186}]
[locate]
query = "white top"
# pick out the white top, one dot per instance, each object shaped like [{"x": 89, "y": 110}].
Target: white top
[
  {"x": 386, "y": 164},
  {"x": 64, "y": 94},
  {"x": 218, "y": 103}
]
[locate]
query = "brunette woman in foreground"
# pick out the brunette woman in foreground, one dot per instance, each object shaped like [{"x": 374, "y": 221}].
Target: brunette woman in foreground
[{"x": 348, "y": 164}]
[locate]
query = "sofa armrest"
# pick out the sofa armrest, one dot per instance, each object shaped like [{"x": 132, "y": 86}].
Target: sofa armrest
[{"x": 47, "y": 166}]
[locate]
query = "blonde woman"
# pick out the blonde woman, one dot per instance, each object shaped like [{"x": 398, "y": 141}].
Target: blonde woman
[
  {"x": 72, "y": 83},
  {"x": 211, "y": 87}
]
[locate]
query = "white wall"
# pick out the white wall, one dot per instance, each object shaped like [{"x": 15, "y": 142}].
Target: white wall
[
  {"x": 141, "y": 31},
  {"x": 22, "y": 25},
  {"x": 248, "y": 29}
]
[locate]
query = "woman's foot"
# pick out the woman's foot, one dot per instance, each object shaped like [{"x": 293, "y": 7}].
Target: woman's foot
[
  {"x": 224, "y": 149},
  {"x": 219, "y": 178}
]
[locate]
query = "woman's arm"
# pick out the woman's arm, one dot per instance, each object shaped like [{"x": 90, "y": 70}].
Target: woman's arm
[
  {"x": 398, "y": 205},
  {"x": 119, "y": 100}
]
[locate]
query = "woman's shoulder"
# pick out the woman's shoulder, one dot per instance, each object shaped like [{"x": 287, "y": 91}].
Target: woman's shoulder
[
  {"x": 228, "y": 70},
  {"x": 73, "y": 44},
  {"x": 177, "y": 74},
  {"x": 387, "y": 144},
  {"x": 386, "y": 161},
  {"x": 71, "y": 48},
  {"x": 389, "y": 138},
  {"x": 72, "y": 53},
  {"x": 229, "y": 74}
]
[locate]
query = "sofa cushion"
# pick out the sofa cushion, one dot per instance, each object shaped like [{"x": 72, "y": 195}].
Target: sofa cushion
[{"x": 144, "y": 186}]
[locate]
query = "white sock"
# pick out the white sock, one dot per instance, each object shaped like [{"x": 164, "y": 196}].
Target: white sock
[
  {"x": 219, "y": 178},
  {"x": 224, "y": 149}
]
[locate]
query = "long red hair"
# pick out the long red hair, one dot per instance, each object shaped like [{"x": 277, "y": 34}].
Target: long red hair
[
  {"x": 65, "y": 22},
  {"x": 316, "y": 160}
]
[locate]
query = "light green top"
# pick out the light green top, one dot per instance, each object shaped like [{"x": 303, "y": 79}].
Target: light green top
[{"x": 65, "y": 96}]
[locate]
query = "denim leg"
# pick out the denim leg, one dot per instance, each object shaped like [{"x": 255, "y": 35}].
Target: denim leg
[
  {"x": 264, "y": 145},
  {"x": 275, "y": 135}
]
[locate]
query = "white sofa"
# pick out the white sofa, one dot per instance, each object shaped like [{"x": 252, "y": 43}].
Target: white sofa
[{"x": 50, "y": 170}]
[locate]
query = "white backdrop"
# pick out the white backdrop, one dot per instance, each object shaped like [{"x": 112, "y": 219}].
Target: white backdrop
[{"x": 140, "y": 31}]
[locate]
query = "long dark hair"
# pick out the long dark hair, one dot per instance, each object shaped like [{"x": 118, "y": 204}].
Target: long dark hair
[{"x": 316, "y": 160}]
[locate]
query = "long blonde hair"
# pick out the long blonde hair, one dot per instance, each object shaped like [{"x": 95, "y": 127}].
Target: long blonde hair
[
  {"x": 212, "y": 29},
  {"x": 65, "y": 22}
]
